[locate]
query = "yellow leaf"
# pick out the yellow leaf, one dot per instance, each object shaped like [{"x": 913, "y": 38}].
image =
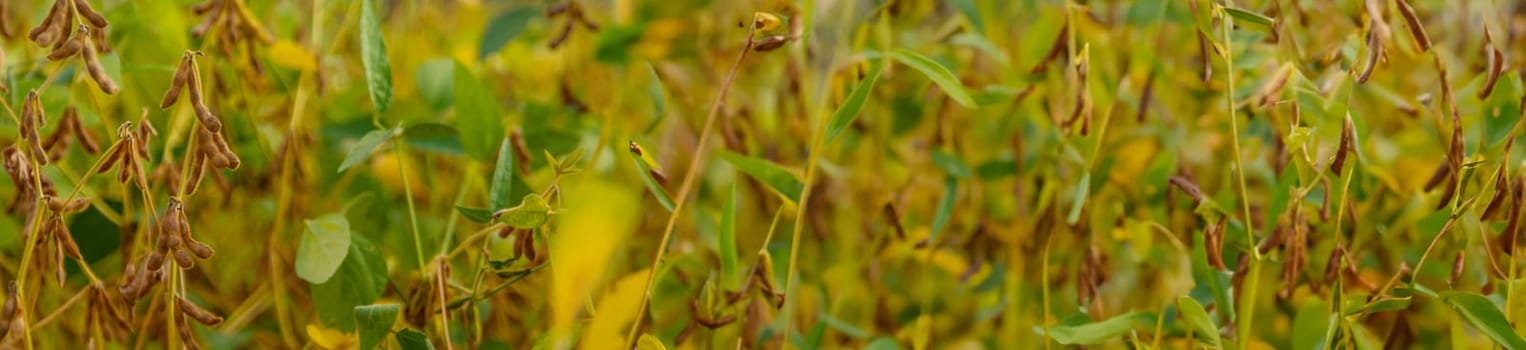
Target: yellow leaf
[
  {"x": 597, "y": 218},
  {"x": 329, "y": 338},
  {"x": 616, "y": 309},
  {"x": 288, "y": 54},
  {"x": 648, "y": 342}
]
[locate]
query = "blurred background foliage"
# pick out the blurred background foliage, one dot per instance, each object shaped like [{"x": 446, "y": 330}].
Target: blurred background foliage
[{"x": 1019, "y": 174}]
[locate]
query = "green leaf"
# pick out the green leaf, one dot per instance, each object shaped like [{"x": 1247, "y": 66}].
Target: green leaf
[
  {"x": 410, "y": 339},
  {"x": 951, "y": 165},
  {"x": 843, "y": 326},
  {"x": 783, "y": 181},
  {"x": 504, "y": 28},
  {"x": 654, "y": 91},
  {"x": 882, "y": 344},
  {"x": 323, "y": 247},
  {"x": 481, "y": 215},
  {"x": 942, "y": 76},
  {"x": 855, "y": 102},
  {"x": 945, "y": 207},
  {"x": 1197, "y": 318},
  {"x": 1249, "y": 16},
  {"x": 615, "y": 42},
  {"x": 651, "y": 182},
  {"x": 1383, "y": 304},
  {"x": 434, "y": 137},
  {"x": 373, "y": 54},
  {"x": 363, "y": 149},
  {"x": 359, "y": 281},
  {"x": 531, "y": 212},
  {"x": 477, "y": 115},
  {"x": 967, "y": 7},
  {"x": 374, "y": 322},
  {"x": 435, "y": 81},
  {"x": 503, "y": 177},
  {"x": 728, "y": 244},
  {"x": 1095, "y": 332},
  {"x": 1485, "y": 316},
  {"x": 1083, "y": 189},
  {"x": 1312, "y": 324},
  {"x": 1217, "y": 282}
]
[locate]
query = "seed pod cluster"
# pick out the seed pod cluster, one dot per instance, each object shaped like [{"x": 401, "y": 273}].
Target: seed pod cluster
[
  {"x": 104, "y": 316},
  {"x": 130, "y": 152},
  {"x": 57, "y": 27},
  {"x": 69, "y": 127},
  {"x": 32, "y": 120},
  {"x": 88, "y": 41},
  {"x": 231, "y": 25},
  {"x": 136, "y": 280},
  {"x": 209, "y": 144},
  {"x": 54, "y": 242},
  {"x": 30, "y": 184},
  {"x": 175, "y": 241}
]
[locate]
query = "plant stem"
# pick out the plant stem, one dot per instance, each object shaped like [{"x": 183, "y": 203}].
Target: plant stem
[
  {"x": 413, "y": 215},
  {"x": 1248, "y": 302},
  {"x": 688, "y": 183}
]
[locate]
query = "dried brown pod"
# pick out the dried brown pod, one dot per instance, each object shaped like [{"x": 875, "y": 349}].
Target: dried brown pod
[
  {"x": 97, "y": 72},
  {"x": 1213, "y": 240},
  {"x": 67, "y": 206},
  {"x": 183, "y": 74},
  {"x": 1458, "y": 264},
  {"x": 183, "y": 259},
  {"x": 32, "y": 121},
  {"x": 1190, "y": 188},
  {"x": 1416, "y": 30},
  {"x": 154, "y": 260},
  {"x": 68, "y": 49},
  {"x": 43, "y": 33},
  {"x": 1055, "y": 50},
  {"x": 209, "y": 121},
  {"x": 1443, "y": 171},
  {"x": 1347, "y": 146},
  {"x": 95, "y": 18},
  {"x": 1082, "y": 109},
  {"x": 1507, "y": 239},
  {"x": 1271, "y": 91},
  {"x": 1502, "y": 187},
  {"x": 201, "y": 250},
  {"x": 1333, "y": 265},
  {"x": 65, "y": 239},
  {"x": 1496, "y": 65},
  {"x": 191, "y": 310}
]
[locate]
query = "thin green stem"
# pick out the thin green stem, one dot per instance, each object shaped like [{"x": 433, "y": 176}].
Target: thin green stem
[
  {"x": 688, "y": 183},
  {"x": 1248, "y": 300},
  {"x": 413, "y": 215}
]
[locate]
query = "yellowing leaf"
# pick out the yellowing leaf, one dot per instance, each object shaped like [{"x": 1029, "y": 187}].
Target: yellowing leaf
[
  {"x": 616, "y": 309},
  {"x": 598, "y": 217},
  {"x": 329, "y": 338},
  {"x": 648, "y": 342},
  {"x": 289, "y": 54},
  {"x": 531, "y": 212}
]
